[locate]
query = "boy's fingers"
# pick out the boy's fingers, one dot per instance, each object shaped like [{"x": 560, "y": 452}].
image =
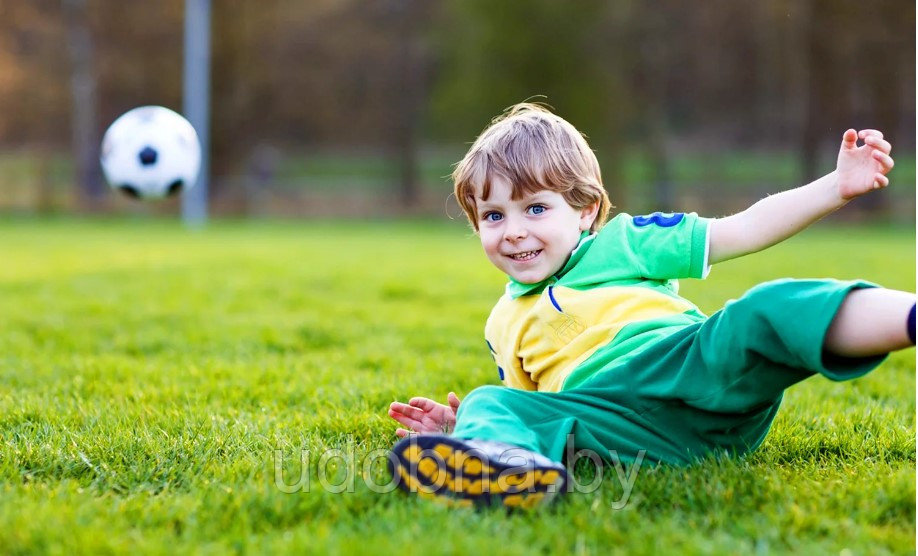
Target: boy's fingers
[
  {"x": 878, "y": 143},
  {"x": 407, "y": 411},
  {"x": 453, "y": 400},
  {"x": 398, "y": 406},
  {"x": 402, "y": 433},
  {"x": 423, "y": 403},
  {"x": 406, "y": 421},
  {"x": 884, "y": 159},
  {"x": 880, "y": 180},
  {"x": 402, "y": 417},
  {"x": 865, "y": 132},
  {"x": 849, "y": 139}
]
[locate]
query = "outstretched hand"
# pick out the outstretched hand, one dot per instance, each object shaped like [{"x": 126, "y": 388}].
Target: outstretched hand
[
  {"x": 425, "y": 415},
  {"x": 862, "y": 169}
]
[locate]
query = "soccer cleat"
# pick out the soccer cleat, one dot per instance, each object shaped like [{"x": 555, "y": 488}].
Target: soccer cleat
[{"x": 469, "y": 473}]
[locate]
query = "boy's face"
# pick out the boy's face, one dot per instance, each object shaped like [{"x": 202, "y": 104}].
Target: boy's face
[{"x": 531, "y": 238}]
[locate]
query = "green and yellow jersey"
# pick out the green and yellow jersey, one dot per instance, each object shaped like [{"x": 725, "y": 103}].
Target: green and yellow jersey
[{"x": 616, "y": 294}]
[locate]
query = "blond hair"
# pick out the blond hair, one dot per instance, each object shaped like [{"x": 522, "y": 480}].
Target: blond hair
[{"x": 533, "y": 150}]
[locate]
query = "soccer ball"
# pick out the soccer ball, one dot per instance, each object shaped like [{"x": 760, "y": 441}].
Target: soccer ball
[{"x": 150, "y": 152}]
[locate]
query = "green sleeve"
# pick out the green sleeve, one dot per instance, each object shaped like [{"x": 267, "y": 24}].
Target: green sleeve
[{"x": 660, "y": 246}]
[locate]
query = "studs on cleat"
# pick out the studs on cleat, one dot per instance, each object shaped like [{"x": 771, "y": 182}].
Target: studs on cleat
[
  {"x": 524, "y": 501},
  {"x": 465, "y": 473},
  {"x": 445, "y": 452},
  {"x": 412, "y": 453},
  {"x": 549, "y": 478},
  {"x": 429, "y": 467}
]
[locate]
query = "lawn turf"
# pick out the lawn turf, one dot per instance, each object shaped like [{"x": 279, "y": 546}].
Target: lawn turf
[{"x": 154, "y": 380}]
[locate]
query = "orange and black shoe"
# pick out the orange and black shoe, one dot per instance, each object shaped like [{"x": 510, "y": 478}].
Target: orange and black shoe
[{"x": 469, "y": 473}]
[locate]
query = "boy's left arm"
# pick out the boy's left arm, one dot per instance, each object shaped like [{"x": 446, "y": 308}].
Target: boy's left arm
[{"x": 860, "y": 169}]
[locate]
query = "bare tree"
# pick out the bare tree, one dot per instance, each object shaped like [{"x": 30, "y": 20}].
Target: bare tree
[
  {"x": 654, "y": 55},
  {"x": 84, "y": 120},
  {"x": 411, "y": 67}
]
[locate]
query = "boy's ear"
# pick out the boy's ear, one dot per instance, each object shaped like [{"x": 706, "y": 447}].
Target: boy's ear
[{"x": 588, "y": 216}]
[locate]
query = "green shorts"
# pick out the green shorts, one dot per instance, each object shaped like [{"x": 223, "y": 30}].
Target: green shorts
[{"x": 708, "y": 387}]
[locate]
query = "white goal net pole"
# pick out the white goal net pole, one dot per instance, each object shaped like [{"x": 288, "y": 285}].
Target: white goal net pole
[{"x": 196, "y": 103}]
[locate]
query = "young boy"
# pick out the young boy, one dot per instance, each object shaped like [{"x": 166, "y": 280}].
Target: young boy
[{"x": 594, "y": 342}]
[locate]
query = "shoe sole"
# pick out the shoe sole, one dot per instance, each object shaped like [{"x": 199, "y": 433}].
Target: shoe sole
[{"x": 448, "y": 470}]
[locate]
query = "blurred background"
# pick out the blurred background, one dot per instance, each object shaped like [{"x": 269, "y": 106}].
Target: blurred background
[{"x": 360, "y": 108}]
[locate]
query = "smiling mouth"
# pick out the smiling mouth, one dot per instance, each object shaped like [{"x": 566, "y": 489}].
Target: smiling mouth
[{"x": 525, "y": 256}]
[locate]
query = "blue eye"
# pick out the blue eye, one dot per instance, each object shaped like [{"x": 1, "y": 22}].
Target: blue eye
[
  {"x": 537, "y": 209},
  {"x": 492, "y": 217}
]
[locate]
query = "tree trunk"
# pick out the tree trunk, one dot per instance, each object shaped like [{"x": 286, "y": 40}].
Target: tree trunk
[
  {"x": 809, "y": 83},
  {"x": 411, "y": 67},
  {"x": 655, "y": 56},
  {"x": 84, "y": 119}
]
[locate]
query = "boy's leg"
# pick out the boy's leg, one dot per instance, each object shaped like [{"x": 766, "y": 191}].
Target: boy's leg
[
  {"x": 871, "y": 322},
  {"x": 728, "y": 383},
  {"x": 492, "y": 458},
  {"x": 557, "y": 424},
  {"x": 508, "y": 445}
]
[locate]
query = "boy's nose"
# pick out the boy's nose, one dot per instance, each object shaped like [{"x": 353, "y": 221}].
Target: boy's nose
[{"x": 515, "y": 232}]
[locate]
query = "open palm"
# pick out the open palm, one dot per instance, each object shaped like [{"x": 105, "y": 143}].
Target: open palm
[
  {"x": 861, "y": 169},
  {"x": 424, "y": 415}
]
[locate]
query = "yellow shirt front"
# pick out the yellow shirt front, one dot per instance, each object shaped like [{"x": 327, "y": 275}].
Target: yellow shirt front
[{"x": 614, "y": 285}]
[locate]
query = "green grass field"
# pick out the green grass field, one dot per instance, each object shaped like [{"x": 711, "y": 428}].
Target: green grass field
[{"x": 152, "y": 377}]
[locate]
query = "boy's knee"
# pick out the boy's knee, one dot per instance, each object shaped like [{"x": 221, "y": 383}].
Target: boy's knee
[
  {"x": 775, "y": 288},
  {"x": 775, "y": 295},
  {"x": 484, "y": 394},
  {"x": 784, "y": 312},
  {"x": 486, "y": 399},
  {"x": 790, "y": 288},
  {"x": 493, "y": 398},
  {"x": 766, "y": 306},
  {"x": 752, "y": 300}
]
